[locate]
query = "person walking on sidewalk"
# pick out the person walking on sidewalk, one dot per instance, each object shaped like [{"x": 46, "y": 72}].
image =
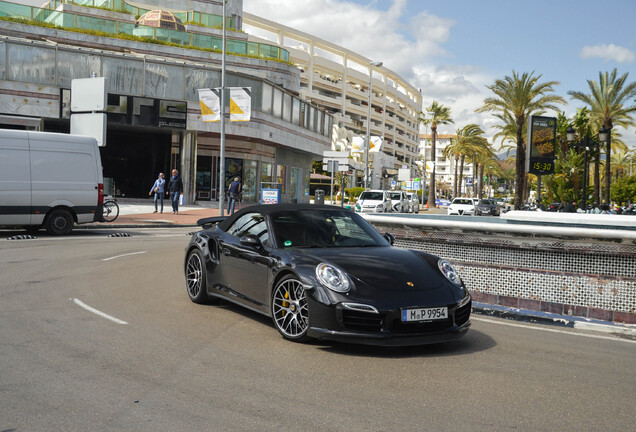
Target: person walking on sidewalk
[
  {"x": 158, "y": 189},
  {"x": 175, "y": 187},
  {"x": 233, "y": 192}
]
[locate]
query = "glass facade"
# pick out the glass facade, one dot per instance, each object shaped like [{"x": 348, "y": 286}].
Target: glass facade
[{"x": 186, "y": 39}]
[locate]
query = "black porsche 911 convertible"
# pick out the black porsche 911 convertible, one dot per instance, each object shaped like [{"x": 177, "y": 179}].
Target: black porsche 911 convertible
[{"x": 324, "y": 272}]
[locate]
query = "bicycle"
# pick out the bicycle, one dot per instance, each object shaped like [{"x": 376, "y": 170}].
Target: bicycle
[{"x": 111, "y": 210}]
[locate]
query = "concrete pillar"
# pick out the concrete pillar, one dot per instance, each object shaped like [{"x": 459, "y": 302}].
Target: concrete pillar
[{"x": 188, "y": 170}]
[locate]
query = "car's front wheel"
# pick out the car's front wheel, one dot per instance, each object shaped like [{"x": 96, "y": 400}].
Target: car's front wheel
[
  {"x": 196, "y": 277},
  {"x": 289, "y": 309}
]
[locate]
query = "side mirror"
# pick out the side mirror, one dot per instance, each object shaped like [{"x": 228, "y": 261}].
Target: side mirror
[
  {"x": 252, "y": 241},
  {"x": 389, "y": 237}
]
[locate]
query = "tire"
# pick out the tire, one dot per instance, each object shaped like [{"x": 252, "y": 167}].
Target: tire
[
  {"x": 59, "y": 222},
  {"x": 289, "y": 309},
  {"x": 196, "y": 278},
  {"x": 111, "y": 211}
]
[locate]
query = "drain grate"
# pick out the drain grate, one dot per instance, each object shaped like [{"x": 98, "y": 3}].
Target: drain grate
[
  {"x": 121, "y": 234},
  {"x": 22, "y": 237}
]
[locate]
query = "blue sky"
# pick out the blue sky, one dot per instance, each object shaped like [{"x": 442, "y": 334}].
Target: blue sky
[{"x": 452, "y": 49}]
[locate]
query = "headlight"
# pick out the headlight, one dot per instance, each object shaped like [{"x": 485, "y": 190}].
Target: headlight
[
  {"x": 332, "y": 277},
  {"x": 447, "y": 270}
]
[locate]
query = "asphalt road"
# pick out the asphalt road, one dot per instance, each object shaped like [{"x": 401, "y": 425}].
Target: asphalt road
[{"x": 147, "y": 359}]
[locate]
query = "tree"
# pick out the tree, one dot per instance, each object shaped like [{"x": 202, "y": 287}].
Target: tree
[
  {"x": 607, "y": 100},
  {"x": 467, "y": 137},
  {"x": 519, "y": 97},
  {"x": 436, "y": 114}
]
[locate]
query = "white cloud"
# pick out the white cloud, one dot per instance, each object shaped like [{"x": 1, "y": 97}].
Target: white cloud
[
  {"x": 609, "y": 52},
  {"x": 410, "y": 46}
]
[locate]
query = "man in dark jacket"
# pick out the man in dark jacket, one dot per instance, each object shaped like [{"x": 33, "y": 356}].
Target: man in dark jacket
[
  {"x": 233, "y": 195},
  {"x": 175, "y": 187}
]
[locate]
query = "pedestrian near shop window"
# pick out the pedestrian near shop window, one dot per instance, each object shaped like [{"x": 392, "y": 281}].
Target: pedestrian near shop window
[
  {"x": 157, "y": 189},
  {"x": 175, "y": 187},
  {"x": 233, "y": 191}
]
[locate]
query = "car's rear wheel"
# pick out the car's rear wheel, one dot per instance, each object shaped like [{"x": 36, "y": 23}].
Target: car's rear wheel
[
  {"x": 59, "y": 222},
  {"x": 289, "y": 309},
  {"x": 196, "y": 277}
]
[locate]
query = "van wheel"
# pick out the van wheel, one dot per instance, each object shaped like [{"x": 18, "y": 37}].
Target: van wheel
[{"x": 59, "y": 222}]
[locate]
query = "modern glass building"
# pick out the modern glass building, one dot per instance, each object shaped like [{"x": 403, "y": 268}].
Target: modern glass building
[{"x": 155, "y": 58}]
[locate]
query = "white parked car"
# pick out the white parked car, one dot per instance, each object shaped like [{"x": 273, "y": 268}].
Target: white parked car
[
  {"x": 373, "y": 201},
  {"x": 414, "y": 202},
  {"x": 462, "y": 206},
  {"x": 399, "y": 201}
]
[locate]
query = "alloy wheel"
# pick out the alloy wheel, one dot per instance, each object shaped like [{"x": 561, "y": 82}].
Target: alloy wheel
[{"x": 289, "y": 308}]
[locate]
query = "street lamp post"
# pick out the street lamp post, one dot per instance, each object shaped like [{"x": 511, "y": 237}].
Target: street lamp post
[
  {"x": 586, "y": 143},
  {"x": 366, "y": 151}
]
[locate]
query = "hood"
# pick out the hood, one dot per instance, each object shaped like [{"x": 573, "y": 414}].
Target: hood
[{"x": 385, "y": 268}]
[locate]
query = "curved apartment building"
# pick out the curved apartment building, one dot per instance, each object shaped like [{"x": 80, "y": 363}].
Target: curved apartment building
[{"x": 338, "y": 79}]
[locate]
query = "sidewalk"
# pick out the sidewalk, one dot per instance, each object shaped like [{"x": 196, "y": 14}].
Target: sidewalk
[{"x": 139, "y": 214}]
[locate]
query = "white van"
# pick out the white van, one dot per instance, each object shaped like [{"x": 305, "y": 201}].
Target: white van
[{"x": 49, "y": 180}]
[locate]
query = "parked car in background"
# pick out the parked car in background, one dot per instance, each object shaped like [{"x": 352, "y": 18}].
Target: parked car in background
[
  {"x": 414, "y": 202},
  {"x": 462, "y": 206},
  {"x": 373, "y": 201},
  {"x": 399, "y": 201},
  {"x": 487, "y": 207},
  {"x": 555, "y": 206}
]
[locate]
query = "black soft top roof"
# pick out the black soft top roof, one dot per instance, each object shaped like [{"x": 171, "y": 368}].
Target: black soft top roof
[{"x": 268, "y": 209}]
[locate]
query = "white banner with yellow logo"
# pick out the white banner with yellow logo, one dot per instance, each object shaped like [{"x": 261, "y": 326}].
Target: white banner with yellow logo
[
  {"x": 358, "y": 146},
  {"x": 240, "y": 103},
  {"x": 210, "y": 102}
]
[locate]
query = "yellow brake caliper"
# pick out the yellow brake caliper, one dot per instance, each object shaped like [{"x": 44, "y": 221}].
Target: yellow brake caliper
[{"x": 286, "y": 303}]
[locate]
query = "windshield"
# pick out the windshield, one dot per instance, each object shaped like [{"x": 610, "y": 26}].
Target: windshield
[
  {"x": 487, "y": 201},
  {"x": 463, "y": 201},
  {"x": 370, "y": 195},
  {"x": 396, "y": 195},
  {"x": 323, "y": 228}
]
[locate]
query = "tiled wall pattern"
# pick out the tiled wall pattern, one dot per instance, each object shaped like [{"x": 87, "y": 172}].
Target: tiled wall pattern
[{"x": 584, "y": 278}]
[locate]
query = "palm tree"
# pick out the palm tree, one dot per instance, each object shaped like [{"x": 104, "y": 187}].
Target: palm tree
[
  {"x": 436, "y": 115},
  {"x": 467, "y": 137},
  {"x": 519, "y": 97},
  {"x": 483, "y": 157},
  {"x": 607, "y": 108},
  {"x": 621, "y": 161}
]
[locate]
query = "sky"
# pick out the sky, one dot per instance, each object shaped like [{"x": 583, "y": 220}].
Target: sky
[{"x": 453, "y": 49}]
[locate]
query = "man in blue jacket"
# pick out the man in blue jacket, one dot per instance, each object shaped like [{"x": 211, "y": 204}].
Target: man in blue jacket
[{"x": 175, "y": 187}]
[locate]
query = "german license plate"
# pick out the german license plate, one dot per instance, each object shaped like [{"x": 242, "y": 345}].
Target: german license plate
[{"x": 424, "y": 314}]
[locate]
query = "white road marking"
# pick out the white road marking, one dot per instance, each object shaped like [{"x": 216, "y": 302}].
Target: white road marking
[
  {"x": 96, "y": 312},
  {"x": 123, "y": 255},
  {"x": 551, "y": 330}
]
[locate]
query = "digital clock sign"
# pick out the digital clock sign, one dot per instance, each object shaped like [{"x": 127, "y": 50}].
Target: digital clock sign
[{"x": 541, "y": 145}]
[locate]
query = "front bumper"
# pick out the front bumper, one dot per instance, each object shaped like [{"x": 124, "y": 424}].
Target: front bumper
[{"x": 335, "y": 323}]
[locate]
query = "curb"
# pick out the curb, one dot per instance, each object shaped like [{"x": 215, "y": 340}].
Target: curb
[
  {"x": 132, "y": 225},
  {"x": 547, "y": 318}
]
